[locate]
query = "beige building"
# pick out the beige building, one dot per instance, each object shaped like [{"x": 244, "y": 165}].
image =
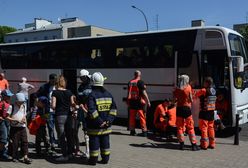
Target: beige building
[{"x": 42, "y": 29}]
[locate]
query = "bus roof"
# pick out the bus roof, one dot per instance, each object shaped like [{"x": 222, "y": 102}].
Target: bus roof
[{"x": 224, "y": 29}]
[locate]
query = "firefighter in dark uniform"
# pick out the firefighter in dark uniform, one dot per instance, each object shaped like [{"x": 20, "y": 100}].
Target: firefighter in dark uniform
[{"x": 101, "y": 114}]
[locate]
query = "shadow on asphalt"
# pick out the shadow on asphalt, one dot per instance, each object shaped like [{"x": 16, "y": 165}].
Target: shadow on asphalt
[
  {"x": 227, "y": 132},
  {"x": 118, "y": 133},
  {"x": 74, "y": 160},
  {"x": 167, "y": 145}
]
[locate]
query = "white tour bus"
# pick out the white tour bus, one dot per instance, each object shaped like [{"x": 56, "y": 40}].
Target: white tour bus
[{"x": 160, "y": 55}]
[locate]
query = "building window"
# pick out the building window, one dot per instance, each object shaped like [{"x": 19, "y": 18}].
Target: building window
[
  {"x": 35, "y": 38},
  {"x": 25, "y": 39},
  {"x": 54, "y": 37},
  {"x": 10, "y": 41},
  {"x": 17, "y": 40},
  {"x": 45, "y": 38}
]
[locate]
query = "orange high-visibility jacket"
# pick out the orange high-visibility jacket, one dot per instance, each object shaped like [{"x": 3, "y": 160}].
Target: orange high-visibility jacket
[
  {"x": 207, "y": 98},
  {"x": 133, "y": 90}
]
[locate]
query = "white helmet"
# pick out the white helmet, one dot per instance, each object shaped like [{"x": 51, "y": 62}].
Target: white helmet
[
  {"x": 97, "y": 79},
  {"x": 84, "y": 72}
]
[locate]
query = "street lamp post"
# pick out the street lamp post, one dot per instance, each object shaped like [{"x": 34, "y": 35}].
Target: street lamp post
[{"x": 143, "y": 15}]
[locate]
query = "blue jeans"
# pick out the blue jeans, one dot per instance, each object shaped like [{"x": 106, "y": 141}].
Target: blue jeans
[
  {"x": 50, "y": 126},
  {"x": 63, "y": 126},
  {"x": 4, "y": 134},
  {"x": 4, "y": 131}
]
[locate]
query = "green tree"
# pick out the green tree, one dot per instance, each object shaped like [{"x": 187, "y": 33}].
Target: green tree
[
  {"x": 4, "y": 30},
  {"x": 244, "y": 32}
]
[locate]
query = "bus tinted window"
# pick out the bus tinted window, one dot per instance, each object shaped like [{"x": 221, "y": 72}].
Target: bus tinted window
[{"x": 133, "y": 51}]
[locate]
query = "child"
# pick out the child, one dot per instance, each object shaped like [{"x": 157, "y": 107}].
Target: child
[
  {"x": 165, "y": 117},
  {"x": 18, "y": 131},
  {"x": 4, "y": 124},
  {"x": 41, "y": 116}
]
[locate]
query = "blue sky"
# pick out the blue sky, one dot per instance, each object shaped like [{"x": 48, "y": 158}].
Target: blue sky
[{"x": 119, "y": 15}]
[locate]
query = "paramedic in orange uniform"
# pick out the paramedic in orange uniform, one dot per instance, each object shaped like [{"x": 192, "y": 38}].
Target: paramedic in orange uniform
[
  {"x": 137, "y": 100},
  {"x": 183, "y": 95},
  {"x": 207, "y": 97},
  {"x": 4, "y": 84},
  {"x": 165, "y": 116}
]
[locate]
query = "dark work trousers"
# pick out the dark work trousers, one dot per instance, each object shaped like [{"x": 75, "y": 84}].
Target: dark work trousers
[
  {"x": 99, "y": 142},
  {"x": 64, "y": 131},
  {"x": 18, "y": 135},
  {"x": 75, "y": 128},
  {"x": 41, "y": 136}
]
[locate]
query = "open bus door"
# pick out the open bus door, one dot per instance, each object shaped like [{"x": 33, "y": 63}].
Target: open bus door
[{"x": 71, "y": 78}]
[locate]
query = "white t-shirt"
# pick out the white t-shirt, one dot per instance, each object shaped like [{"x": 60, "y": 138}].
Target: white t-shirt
[
  {"x": 51, "y": 89},
  {"x": 24, "y": 88},
  {"x": 18, "y": 114}
]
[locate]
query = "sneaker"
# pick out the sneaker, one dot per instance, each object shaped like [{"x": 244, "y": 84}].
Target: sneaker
[
  {"x": 5, "y": 157},
  {"x": 195, "y": 147},
  {"x": 14, "y": 160},
  {"x": 27, "y": 160},
  {"x": 132, "y": 133},
  {"x": 144, "y": 133},
  {"x": 181, "y": 147},
  {"x": 85, "y": 155},
  {"x": 62, "y": 159}
]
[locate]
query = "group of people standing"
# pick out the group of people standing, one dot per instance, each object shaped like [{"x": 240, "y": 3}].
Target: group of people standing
[
  {"x": 176, "y": 113},
  {"x": 54, "y": 106}
]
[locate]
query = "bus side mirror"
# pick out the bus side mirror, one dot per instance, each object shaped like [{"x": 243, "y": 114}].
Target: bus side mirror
[
  {"x": 240, "y": 64},
  {"x": 238, "y": 71}
]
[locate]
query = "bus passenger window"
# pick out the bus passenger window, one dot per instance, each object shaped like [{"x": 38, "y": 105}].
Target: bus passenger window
[
  {"x": 96, "y": 57},
  {"x": 122, "y": 59}
]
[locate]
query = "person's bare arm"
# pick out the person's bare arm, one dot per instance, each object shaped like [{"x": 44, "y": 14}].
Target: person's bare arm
[
  {"x": 53, "y": 103},
  {"x": 146, "y": 98}
]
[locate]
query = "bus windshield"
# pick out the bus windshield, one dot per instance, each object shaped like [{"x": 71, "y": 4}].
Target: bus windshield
[{"x": 238, "y": 47}]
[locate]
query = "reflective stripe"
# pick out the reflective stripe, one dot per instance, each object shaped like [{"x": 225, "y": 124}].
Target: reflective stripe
[
  {"x": 204, "y": 139},
  {"x": 94, "y": 114},
  {"x": 180, "y": 135},
  {"x": 99, "y": 131},
  {"x": 211, "y": 138},
  {"x": 192, "y": 135},
  {"x": 113, "y": 112},
  {"x": 104, "y": 104},
  {"x": 106, "y": 100},
  {"x": 105, "y": 151},
  {"x": 94, "y": 153}
]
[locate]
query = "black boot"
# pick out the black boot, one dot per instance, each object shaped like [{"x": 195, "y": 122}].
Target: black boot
[
  {"x": 181, "y": 147},
  {"x": 195, "y": 147},
  {"x": 132, "y": 133}
]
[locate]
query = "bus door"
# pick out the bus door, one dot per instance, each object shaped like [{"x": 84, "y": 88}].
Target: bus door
[
  {"x": 188, "y": 63},
  {"x": 215, "y": 64},
  {"x": 71, "y": 78}
]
